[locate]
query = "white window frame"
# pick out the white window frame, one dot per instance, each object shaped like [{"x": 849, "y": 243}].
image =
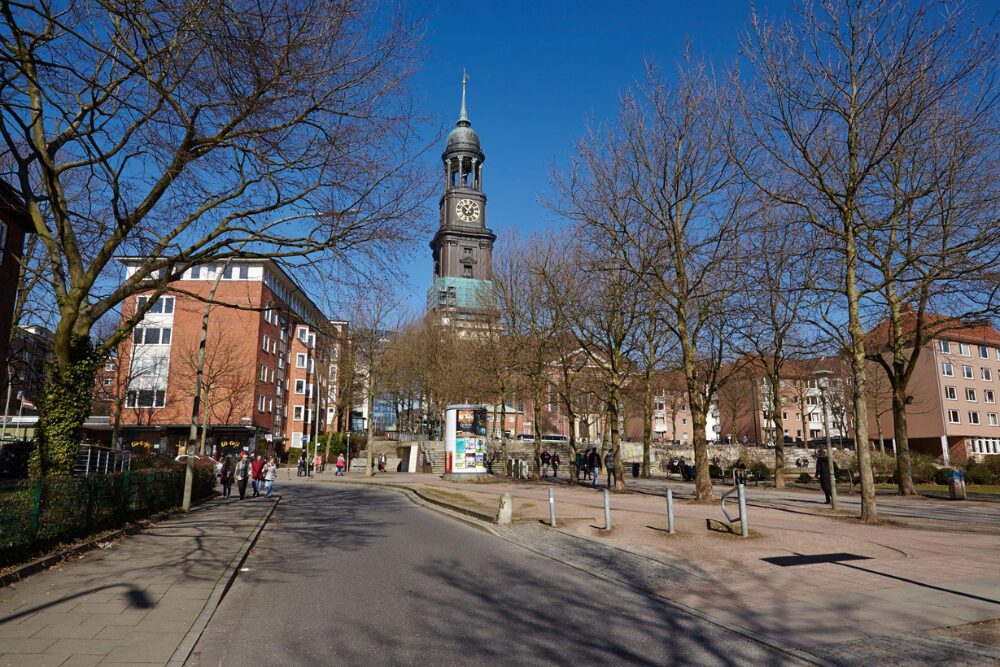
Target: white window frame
[
  {"x": 950, "y": 393},
  {"x": 300, "y": 387},
  {"x": 300, "y": 359},
  {"x": 298, "y": 412},
  {"x": 989, "y": 396},
  {"x": 974, "y": 417},
  {"x": 970, "y": 395},
  {"x": 986, "y": 374},
  {"x": 965, "y": 349},
  {"x": 991, "y": 419},
  {"x": 261, "y": 402},
  {"x": 967, "y": 372},
  {"x": 954, "y": 417},
  {"x": 947, "y": 369},
  {"x": 945, "y": 346},
  {"x": 265, "y": 343},
  {"x": 984, "y": 352}
]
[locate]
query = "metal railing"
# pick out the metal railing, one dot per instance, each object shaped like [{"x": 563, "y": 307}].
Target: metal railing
[{"x": 94, "y": 458}]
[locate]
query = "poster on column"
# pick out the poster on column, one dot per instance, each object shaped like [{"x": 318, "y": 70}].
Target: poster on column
[{"x": 470, "y": 440}]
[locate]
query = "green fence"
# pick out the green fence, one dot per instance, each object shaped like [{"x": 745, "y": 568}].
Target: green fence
[{"x": 37, "y": 515}]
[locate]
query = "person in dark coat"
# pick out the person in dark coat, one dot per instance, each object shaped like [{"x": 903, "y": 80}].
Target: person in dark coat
[
  {"x": 228, "y": 470},
  {"x": 594, "y": 464},
  {"x": 823, "y": 475},
  {"x": 555, "y": 464},
  {"x": 581, "y": 466}
]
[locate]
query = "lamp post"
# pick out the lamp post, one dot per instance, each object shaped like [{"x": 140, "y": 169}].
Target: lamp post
[{"x": 823, "y": 383}]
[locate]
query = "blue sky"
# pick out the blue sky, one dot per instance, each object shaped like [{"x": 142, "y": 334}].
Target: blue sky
[{"x": 538, "y": 72}]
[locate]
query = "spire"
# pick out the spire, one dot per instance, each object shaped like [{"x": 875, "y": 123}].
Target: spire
[{"x": 463, "y": 116}]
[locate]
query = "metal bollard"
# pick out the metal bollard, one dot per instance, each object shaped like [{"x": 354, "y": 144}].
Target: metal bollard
[
  {"x": 744, "y": 523},
  {"x": 671, "y": 528},
  {"x": 607, "y": 510},
  {"x": 552, "y": 508}
]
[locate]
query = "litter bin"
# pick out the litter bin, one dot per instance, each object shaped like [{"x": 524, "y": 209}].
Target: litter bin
[
  {"x": 956, "y": 485},
  {"x": 635, "y": 469}
]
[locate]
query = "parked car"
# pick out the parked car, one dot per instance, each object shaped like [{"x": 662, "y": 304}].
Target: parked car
[{"x": 526, "y": 437}]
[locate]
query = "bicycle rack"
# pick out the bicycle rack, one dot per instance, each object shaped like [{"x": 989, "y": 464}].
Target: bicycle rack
[{"x": 740, "y": 490}]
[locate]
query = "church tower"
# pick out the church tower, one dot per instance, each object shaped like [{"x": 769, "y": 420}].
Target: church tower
[{"x": 463, "y": 245}]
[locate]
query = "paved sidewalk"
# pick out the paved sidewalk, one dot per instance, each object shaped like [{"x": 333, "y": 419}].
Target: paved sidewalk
[
  {"x": 911, "y": 580},
  {"x": 132, "y": 602}
]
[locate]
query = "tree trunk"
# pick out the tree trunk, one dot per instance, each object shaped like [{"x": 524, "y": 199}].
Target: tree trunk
[
  {"x": 779, "y": 432},
  {"x": 702, "y": 482},
  {"x": 64, "y": 408},
  {"x": 536, "y": 472},
  {"x": 503, "y": 434},
  {"x": 370, "y": 426},
  {"x": 869, "y": 510},
  {"x": 647, "y": 424},
  {"x": 904, "y": 472},
  {"x": 614, "y": 407}
]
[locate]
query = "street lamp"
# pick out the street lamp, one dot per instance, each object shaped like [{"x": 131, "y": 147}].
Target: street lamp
[{"x": 823, "y": 383}]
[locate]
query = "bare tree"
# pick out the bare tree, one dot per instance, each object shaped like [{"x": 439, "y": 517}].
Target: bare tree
[
  {"x": 777, "y": 267},
  {"x": 835, "y": 96},
  {"x": 527, "y": 318},
  {"x": 180, "y": 131},
  {"x": 666, "y": 167},
  {"x": 374, "y": 315}
]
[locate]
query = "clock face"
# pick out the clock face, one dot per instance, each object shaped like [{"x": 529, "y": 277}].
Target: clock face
[{"x": 467, "y": 210}]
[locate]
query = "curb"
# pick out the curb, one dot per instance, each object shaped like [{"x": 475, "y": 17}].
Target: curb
[
  {"x": 34, "y": 567},
  {"x": 184, "y": 649},
  {"x": 478, "y": 520}
]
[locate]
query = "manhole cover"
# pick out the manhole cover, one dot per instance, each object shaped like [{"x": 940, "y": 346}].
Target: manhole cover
[{"x": 801, "y": 559}]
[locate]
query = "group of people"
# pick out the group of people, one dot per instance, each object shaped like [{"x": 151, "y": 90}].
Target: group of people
[
  {"x": 588, "y": 466},
  {"x": 303, "y": 465},
  {"x": 248, "y": 470},
  {"x": 550, "y": 460}
]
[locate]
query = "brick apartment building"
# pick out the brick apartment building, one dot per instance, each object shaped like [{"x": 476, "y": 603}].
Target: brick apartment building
[
  {"x": 14, "y": 226},
  {"x": 744, "y": 404},
  {"x": 952, "y": 412},
  {"x": 672, "y": 421},
  {"x": 271, "y": 355}
]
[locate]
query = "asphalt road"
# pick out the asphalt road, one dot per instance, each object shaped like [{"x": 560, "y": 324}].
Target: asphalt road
[{"x": 352, "y": 576}]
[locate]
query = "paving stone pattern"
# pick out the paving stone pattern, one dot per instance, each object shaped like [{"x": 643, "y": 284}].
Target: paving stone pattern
[{"x": 131, "y": 603}]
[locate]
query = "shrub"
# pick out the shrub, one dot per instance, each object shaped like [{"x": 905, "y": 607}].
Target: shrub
[
  {"x": 760, "y": 470},
  {"x": 992, "y": 463},
  {"x": 978, "y": 473},
  {"x": 922, "y": 468},
  {"x": 942, "y": 475},
  {"x": 883, "y": 466},
  {"x": 804, "y": 478},
  {"x": 714, "y": 471}
]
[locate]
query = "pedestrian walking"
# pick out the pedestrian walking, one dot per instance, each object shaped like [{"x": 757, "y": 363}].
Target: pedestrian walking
[
  {"x": 594, "y": 464},
  {"x": 243, "y": 472},
  {"x": 545, "y": 462},
  {"x": 381, "y": 462},
  {"x": 270, "y": 474},
  {"x": 341, "y": 464},
  {"x": 609, "y": 464},
  {"x": 823, "y": 475},
  {"x": 257, "y": 475},
  {"x": 555, "y": 464},
  {"x": 580, "y": 464},
  {"x": 302, "y": 464},
  {"x": 228, "y": 470}
]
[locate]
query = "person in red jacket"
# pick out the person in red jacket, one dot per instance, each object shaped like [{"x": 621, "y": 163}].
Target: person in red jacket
[{"x": 257, "y": 473}]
